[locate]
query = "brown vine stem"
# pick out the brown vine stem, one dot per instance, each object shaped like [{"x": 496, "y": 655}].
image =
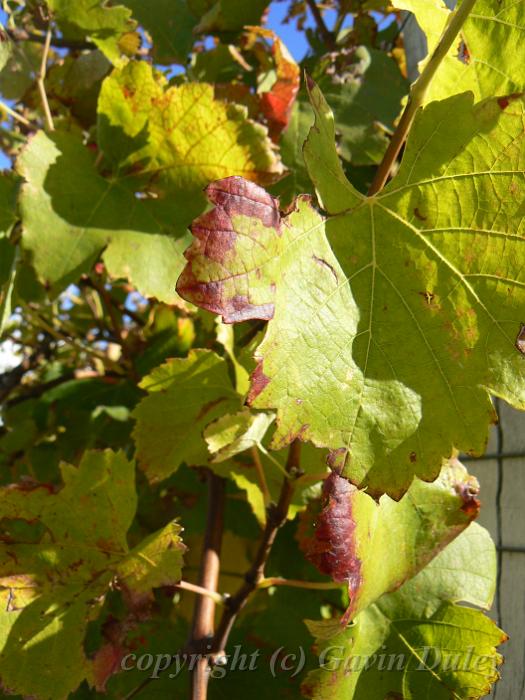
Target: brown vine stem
[
  {"x": 204, "y": 612},
  {"x": 326, "y": 34},
  {"x": 17, "y": 34},
  {"x": 277, "y": 515},
  {"x": 417, "y": 94}
]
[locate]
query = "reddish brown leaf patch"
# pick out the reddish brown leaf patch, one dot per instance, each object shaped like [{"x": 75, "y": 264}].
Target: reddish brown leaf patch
[
  {"x": 332, "y": 548},
  {"x": 215, "y": 237}
]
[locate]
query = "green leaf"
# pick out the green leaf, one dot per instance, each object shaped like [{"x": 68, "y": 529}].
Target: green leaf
[
  {"x": 365, "y": 101},
  {"x": 232, "y": 434},
  {"x": 65, "y": 233},
  {"x": 474, "y": 63},
  {"x": 230, "y": 15},
  {"x": 56, "y": 570},
  {"x": 410, "y": 304},
  {"x": 18, "y": 74},
  {"x": 6, "y": 47},
  {"x": 139, "y": 215},
  {"x": 185, "y": 395},
  {"x": 225, "y": 336},
  {"x": 170, "y": 24},
  {"x": 296, "y": 180},
  {"x": 365, "y": 104},
  {"x": 8, "y": 252},
  {"x": 260, "y": 473},
  {"x": 416, "y": 642},
  {"x": 177, "y": 139},
  {"x": 96, "y": 21},
  {"x": 374, "y": 548}
]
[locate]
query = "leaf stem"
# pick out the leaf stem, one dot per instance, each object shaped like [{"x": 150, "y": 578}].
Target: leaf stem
[
  {"x": 41, "y": 82},
  {"x": 260, "y": 475},
  {"x": 277, "y": 515},
  {"x": 295, "y": 583},
  {"x": 14, "y": 114},
  {"x": 199, "y": 590},
  {"x": 204, "y": 611},
  {"x": 417, "y": 94}
]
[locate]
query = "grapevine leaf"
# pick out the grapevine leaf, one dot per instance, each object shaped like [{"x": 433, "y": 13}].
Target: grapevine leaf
[
  {"x": 185, "y": 395},
  {"x": 474, "y": 62},
  {"x": 6, "y": 48},
  {"x": 65, "y": 233},
  {"x": 258, "y": 473},
  {"x": 433, "y": 264},
  {"x": 416, "y": 642},
  {"x": 8, "y": 188},
  {"x": 142, "y": 236},
  {"x": 225, "y": 336},
  {"x": 374, "y": 547},
  {"x": 96, "y": 21},
  {"x": 7, "y": 279},
  {"x": 296, "y": 180},
  {"x": 18, "y": 74},
  {"x": 365, "y": 104},
  {"x": 230, "y": 15},
  {"x": 232, "y": 434},
  {"x": 56, "y": 571},
  {"x": 177, "y": 139},
  {"x": 170, "y": 24},
  {"x": 278, "y": 101}
]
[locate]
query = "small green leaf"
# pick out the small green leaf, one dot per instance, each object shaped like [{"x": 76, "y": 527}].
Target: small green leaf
[
  {"x": 230, "y": 15},
  {"x": 96, "y": 21},
  {"x": 65, "y": 233},
  {"x": 6, "y": 47},
  {"x": 185, "y": 395},
  {"x": 232, "y": 434},
  {"x": 170, "y": 24}
]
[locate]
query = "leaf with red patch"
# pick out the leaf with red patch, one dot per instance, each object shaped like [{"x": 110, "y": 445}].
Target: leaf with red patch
[{"x": 375, "y": 547}]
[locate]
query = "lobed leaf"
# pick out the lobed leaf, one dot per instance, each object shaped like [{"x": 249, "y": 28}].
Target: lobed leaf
[
  {"x": 403, "y": 316},
  {"x": 375, "y": 547},
  {"x": 56, "y": 571},
  {"x": 96, "y": 21},
  {"x": 417, "y": 642},
  {"x": 474, "y": 63},
  {"x": 137, "y": 216},
  {"x": 185, "y": 396}
]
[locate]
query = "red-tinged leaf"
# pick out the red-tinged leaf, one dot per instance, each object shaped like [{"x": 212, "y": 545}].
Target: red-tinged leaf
[
  {"x": 277, "y": 103},
  {"x": 374, "y": 548},
  {"x": 216, "y": 238}
]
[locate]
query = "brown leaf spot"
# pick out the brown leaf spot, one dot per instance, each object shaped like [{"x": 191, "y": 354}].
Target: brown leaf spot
[
  {"x": 520, "y": 339},
  {"x": 504, "y": 102},
  {"x": 323, "y": 263},
  {"x": 468, "y": 491},
  {"x": 259, "y": 381},
  {"x": 419, "y": 215},
  {"x": 427, "y": 296},
  {"x": 412, "y": 457}
]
